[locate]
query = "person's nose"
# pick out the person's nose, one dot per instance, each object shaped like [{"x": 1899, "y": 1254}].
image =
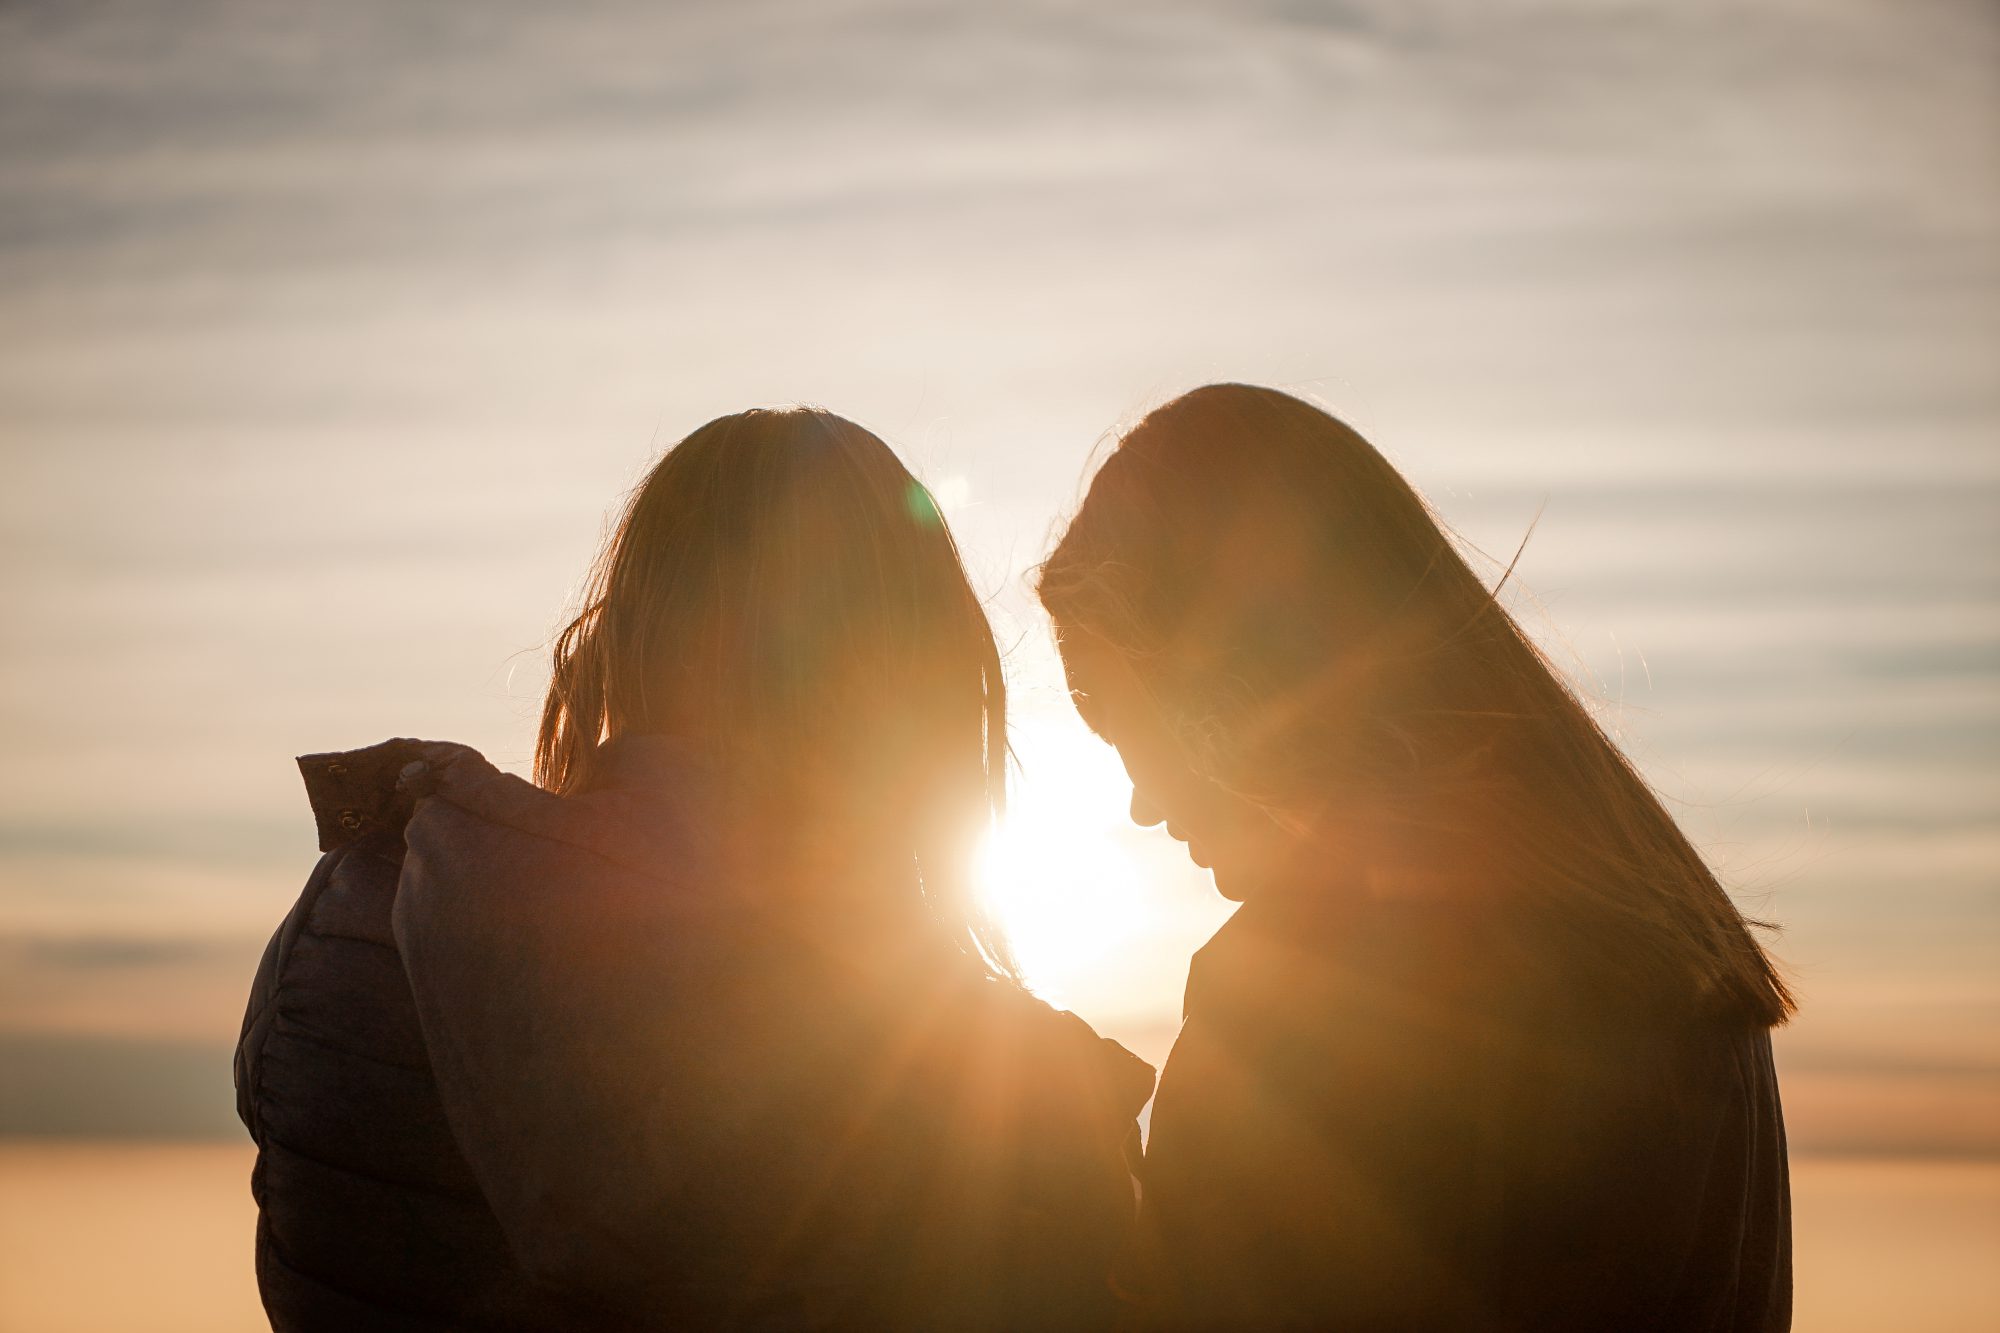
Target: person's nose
[{"x": 1144, "y": 813}]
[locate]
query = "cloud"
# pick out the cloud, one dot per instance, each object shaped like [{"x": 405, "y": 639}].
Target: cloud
[
  {"x": 91, "y": 953},
  {"x": 102, "y": 1087}
]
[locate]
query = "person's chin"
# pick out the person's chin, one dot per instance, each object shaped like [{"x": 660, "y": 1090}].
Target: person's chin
[{"x": 1226, "y": 883}]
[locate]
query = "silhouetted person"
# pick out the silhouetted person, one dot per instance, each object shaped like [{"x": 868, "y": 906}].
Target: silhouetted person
[
  {"x": 705, "y": 1030},
  {"x": 1486, "y": 1046}
]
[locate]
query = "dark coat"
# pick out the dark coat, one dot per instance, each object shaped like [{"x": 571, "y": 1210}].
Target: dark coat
[
  {"x": 1390, "y": 1117},
  {"x": 369, "y": 1215},
  {"x": 619, "y": 1093}
]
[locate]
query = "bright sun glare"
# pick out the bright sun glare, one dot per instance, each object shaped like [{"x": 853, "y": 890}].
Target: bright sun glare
[{"x": 1056, "y": 873}]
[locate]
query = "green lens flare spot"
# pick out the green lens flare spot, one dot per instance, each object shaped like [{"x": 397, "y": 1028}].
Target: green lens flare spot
[{"x": 922, "y": 508}]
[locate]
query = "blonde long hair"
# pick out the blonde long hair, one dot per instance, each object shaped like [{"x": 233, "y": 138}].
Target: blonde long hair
[
  {"x": 783, "y": 595},
  {"x": 1313, "y": 639}
]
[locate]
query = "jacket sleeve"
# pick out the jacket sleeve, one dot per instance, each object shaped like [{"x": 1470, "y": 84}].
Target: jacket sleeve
[
  {"x": 354, "y": 801},
  {"x": 261, "y": 1010}
]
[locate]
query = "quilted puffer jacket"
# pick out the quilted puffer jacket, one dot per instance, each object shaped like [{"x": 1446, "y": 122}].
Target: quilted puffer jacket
[
  {"x": 521, "y": 1061},
  {"x": 369, "y": 1215}
]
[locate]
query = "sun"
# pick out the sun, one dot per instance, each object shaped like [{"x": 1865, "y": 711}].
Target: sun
[{"x": 1056, "y": 873}]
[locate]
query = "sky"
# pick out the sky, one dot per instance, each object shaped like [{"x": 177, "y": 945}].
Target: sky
[{"x": 332, "y": 335}]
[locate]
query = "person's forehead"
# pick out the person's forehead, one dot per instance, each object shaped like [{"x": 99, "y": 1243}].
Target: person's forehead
[{"x": 1099, "y": 678}]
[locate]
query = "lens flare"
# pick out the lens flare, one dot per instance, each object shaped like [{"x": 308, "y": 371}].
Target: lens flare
[{"x": 1057, "y": 874}]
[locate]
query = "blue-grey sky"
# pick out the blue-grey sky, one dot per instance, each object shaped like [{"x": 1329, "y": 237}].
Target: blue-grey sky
[{"x": 332, "y": 333}]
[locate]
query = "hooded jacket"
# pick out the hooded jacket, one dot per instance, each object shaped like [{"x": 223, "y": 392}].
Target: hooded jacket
[{"x": 519, "y": 1060}]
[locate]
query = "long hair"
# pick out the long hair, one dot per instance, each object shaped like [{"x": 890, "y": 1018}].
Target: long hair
[
  {"x": 1310, "y": 635},
  {"x": 783, "y": 595}
]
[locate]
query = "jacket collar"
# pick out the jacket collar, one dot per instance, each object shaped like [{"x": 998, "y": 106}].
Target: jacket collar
[{"x": 650, "y": 807}]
